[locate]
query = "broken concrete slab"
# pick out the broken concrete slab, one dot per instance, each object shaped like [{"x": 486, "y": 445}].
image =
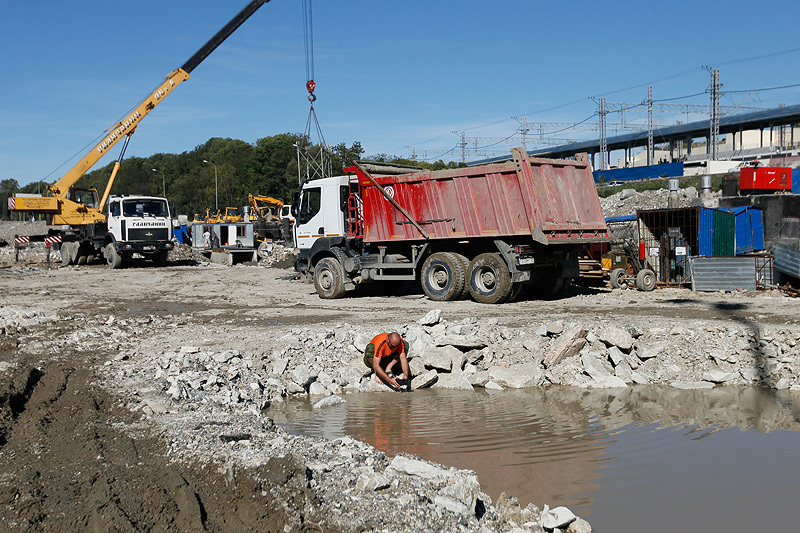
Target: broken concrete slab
[
  {"x": 453, "y": 381},
  {"x": 464, "y": 342},
  {"x": 517, "y": 376},
  {"x": 614, "y": 336},
  {"x": 329, "y": 401},
  {"x": 570, "y": 344},
  {"x": 414, "y": 467},
  {"x": 719, "y": 376},
  {"x": 423, "y": 380},
  {"x": 431, "y": 318},
  {"x": 593, "y": 365},
  {"x": 438, "y": 358}
]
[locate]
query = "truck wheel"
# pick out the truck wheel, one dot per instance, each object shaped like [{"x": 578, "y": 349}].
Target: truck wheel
[
  {"x": 516, "y": 290},
  {"x": 646, "y": 280},
  {"x": 66, "y": 255},
  {"x": 489, "y": 279},
  {"x": 617, "y": 279},
  {"x": 549, "y": 284},
  {"x": 160, "y": 258},
  {"x": 113, "y": 259},
  {"x": 329, "y": 278},
  {"x": 442, "y": 277},
  {"x": 464, "y": 272}
]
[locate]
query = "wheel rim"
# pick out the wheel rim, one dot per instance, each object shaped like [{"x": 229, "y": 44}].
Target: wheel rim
[
  {"x": 438, "y": 277},
  {"x": 325, "y": 279},
  {"x": 486, "y": 279}
]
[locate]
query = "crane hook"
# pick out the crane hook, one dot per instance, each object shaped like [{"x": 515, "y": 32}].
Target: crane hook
[{"x": 310, "y": 85}]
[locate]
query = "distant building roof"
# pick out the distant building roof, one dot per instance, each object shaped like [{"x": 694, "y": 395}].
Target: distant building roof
[{"x": 727, "y": 124}]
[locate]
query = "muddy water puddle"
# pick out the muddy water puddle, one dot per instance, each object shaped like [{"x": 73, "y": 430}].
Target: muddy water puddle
[{"x": 647, "y": 458}]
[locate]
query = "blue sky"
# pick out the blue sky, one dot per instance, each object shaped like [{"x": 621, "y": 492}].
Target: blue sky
[{"x": 389, "y": 74}]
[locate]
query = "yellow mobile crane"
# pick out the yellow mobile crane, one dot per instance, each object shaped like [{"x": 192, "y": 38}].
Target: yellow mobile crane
[{"x": 137, "y": 224}]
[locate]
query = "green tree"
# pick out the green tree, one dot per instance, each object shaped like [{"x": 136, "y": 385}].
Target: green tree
[
  {"x": 9, "y": 186},
  {"x": 344, "y": 156}
]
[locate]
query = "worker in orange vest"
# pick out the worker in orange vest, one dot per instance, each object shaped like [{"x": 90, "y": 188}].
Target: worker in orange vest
[{"x": 382, "y": 353}]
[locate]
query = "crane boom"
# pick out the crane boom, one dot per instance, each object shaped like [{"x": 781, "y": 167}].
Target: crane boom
[{"x": 127, "y": 126}]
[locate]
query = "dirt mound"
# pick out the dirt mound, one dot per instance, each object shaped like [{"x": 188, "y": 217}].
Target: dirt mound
[{"x": 69, "y": 463}]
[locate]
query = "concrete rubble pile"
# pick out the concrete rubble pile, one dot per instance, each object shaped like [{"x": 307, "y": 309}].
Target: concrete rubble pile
[
  {"x": 276, "y": 255},
  {"x": 213, "y": 403},
  {"x": 627, "y": 201},
  {"x": 324, "y": 364},
  {"x": 476, "y": 353},
  {"x": 184, "y": 253}
]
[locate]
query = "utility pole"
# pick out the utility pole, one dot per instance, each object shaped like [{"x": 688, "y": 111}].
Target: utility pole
[
  {"x": 163, "y": 183},
  {"x": 463, "y": 144},
  {"x": 523, "y": 131},
  {"x": 216, "y": 185},
  {"x": 713, "y": 134},
  {"x": 650, "y": 147},
  {"x": 602, "y": 112}
]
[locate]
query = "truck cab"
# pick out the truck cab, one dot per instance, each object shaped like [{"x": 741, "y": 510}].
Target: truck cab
[
  {"x": 321, "y": 211},
  {"x": 137, "y": 224}
]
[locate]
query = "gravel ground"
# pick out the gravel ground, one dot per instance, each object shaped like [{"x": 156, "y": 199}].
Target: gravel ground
[{"x": 139, "y": 392}]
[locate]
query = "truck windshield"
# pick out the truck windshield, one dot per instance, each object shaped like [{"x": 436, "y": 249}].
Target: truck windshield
[
  {"x": 145, "y": 208},
  {"x": 310, "y": 204}
]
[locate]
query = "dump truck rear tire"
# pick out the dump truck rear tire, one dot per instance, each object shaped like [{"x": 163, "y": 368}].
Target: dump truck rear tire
[
  {"x": 489, "y": 279},
  {"x": 516, "y": 290},
  {"x": 646, "y": 280},
  {"x": 465, "y": 272},
  {"x": 329, "y": 278},
  {"x": 617, "y": 279},
  {"x": 442, "y": 277},
  {"x": 113, "y": 259}
]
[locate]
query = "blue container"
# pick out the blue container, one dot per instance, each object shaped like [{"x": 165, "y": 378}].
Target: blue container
[
  {"x": 716, "y": 233},
  {"x": 796, "y": 181},
  {"x": 179, "y": 234},
  {"x": 749, "y": 228}
]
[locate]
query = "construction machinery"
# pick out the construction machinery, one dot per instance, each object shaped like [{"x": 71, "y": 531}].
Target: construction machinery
[
  {"x": 265, "y": 214},
  {"x": 264, "y": 207},
  {"x": 231, "y": 215},
  {"x": 486, "y": 231},
  {"x": 80, "y": 218}
]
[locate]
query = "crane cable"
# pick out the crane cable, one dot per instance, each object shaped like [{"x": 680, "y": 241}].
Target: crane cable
[{"x": 308, "y": 37}]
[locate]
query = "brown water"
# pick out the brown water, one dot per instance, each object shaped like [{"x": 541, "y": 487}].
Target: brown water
[{"x": 647, "y": 458}]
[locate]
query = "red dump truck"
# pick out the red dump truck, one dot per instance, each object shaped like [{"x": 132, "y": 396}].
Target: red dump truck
[{"x": 486, "y": 231}]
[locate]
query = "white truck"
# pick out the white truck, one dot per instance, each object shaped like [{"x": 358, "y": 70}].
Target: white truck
[
  {"x": 488, "y": 231},
  {"x": 134, "y": 225}
]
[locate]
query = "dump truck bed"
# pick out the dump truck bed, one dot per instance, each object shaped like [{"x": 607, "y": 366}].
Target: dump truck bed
[{"x": 553, "y": 201}]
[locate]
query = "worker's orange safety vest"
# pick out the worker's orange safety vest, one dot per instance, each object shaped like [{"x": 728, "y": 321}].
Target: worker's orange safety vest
[{"x": 382, "y": 348}]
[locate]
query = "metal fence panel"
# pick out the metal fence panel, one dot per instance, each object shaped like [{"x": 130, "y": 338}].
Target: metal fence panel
[
  {"x": 710, "y": 274},
  {"x": 787, "y": 259}
]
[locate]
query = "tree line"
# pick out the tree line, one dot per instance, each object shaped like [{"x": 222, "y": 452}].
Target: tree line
[{"x": 267, "y": 167}]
